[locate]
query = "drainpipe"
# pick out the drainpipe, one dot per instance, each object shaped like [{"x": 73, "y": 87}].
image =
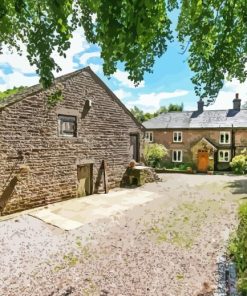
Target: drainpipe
[{"x": 233, "y": 149}]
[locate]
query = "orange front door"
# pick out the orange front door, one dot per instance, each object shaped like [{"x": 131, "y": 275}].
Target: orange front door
[{"x": 202, "y": 164}]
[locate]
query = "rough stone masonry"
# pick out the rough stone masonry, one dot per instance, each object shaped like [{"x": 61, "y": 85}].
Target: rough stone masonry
[{"x": 38, "y": 166}]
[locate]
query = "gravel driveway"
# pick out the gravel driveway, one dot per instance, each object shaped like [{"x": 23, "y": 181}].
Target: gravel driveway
[{"x": 168, "y": 246}]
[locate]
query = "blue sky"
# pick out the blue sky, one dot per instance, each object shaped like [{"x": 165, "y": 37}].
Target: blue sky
[{"x": 169, "y": 82}]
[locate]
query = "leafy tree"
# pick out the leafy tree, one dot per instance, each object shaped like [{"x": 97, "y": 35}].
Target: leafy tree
[
  {"x": 244, "y": 106},
  {"x": 138, "y": 113},
  {"x": 132, "y": 32},
  {"x": 175, "y": 107},
  {"x": 154, "y": 153},
  {"x": 10, "y": 92},
  {"x": 213, "y": 32},
  {"x": 141, "y": 116}
]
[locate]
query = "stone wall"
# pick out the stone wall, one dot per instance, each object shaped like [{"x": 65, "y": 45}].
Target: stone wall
[
  {"x": 191, "y": 137},
  {"x": 38, "y": 167}
]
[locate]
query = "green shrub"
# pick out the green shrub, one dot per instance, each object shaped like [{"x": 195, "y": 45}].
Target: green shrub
[
  {"x": 239, "y": 164},
  {"x": 238, "y": 249},
  {"x": 154, "y": 153}
]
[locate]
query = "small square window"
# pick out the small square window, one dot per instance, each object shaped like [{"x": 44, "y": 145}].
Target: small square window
[
  {"x": 149, "y": 137},
  {"x": 177, "y": 137},
  {"x": 67, "y": 125},
  {"x": 224, "y": 155},
  {"x": 177, "y": 155},
  {"x": 225, "y": 138}
]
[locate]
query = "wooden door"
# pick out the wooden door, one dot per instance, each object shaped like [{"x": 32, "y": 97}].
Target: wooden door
[
  {"x": 203, "y": 161},
  {"x": 134, "y": 147},
  {"x": 84, "y": 174}
]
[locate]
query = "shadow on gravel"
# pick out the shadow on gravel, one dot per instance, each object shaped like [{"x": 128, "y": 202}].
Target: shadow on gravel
[{"x": 238, "y": 187}]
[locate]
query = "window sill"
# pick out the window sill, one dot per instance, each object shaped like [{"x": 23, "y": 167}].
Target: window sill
[{"x": 67, "y": 137}]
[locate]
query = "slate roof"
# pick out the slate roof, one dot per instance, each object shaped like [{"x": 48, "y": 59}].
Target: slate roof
[{"x": 196, "y": 119}]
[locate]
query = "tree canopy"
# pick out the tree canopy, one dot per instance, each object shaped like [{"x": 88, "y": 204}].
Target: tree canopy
[
  {"x": 142, "y": 116},
  {"x": 134, "y": 32},
  {"x": 10, "y": 92}
]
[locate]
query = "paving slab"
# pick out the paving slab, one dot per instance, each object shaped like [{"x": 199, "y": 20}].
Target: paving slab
[{"x": 76, "y": 212}]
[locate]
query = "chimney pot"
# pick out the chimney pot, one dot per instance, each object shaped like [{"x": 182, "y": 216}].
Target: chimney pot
[
  {"x": 200, "y": 105},
  {"x": 236, "y": 102}
]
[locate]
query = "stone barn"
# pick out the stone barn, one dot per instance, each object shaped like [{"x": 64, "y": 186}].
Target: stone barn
[{"x": 71, "y": 140}]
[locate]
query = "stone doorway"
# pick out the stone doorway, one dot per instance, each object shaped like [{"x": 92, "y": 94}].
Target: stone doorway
[
  {"x": 202, "y": 161},
  {"x": 203, "y": 155},
  {"x": 85, "y": 180},
  {"x": 134, "y": 147}
]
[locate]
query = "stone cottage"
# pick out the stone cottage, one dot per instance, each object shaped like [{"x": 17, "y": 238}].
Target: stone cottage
[
  {"x": 206, "y": 139},
  {"x": 57, "y": 144}
]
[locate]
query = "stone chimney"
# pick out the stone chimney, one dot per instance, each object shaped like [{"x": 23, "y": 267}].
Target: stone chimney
[
  {"x": 200, "y": 105},
  {"x": 236, "y": 103}
]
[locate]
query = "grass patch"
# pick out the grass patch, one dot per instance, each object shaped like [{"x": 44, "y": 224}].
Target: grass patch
[
  {"x": 238, "y": 249},
  {"x": 72, "y": 259},
  {"x": 179, "y": 277},
  {"x": 183, "y": 225}
]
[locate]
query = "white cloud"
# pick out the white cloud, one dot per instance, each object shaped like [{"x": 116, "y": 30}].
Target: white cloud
[
  {"x": 17, "y": 79},
  {"x": 227, "y": 94},
  {"x": 122, "y": 77},
  {"x": 96, "y": 68},
  {"x": 88, "y": 55},
  {"x": 151, "y": 102},
  {"x": 78, "y": 44},
  {"x": 122, "y": 94}
]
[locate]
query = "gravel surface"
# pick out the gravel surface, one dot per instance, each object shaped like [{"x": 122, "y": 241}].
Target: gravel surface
[{"x": 168, "y": 246}]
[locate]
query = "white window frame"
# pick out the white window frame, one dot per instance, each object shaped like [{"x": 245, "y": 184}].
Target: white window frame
[
  {"x": 149, "y": 136},
  {"x": 224, "y": 139},
  {"x": 175, "y": 135},
  {"x": 223, "y": 158},
  {"x": 181, "y": 155}
]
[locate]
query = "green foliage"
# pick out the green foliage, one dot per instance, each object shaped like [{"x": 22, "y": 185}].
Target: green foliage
[
  {"x": 239, "y": 163},
  {"x": 135, "y": 33},
  {"x": 183, "y": 224},
  {"x": 141, "y": 116},
  {"x": 54, "y": 98},
  {"x": 10, "y": 92},
  {"x": 244, "y": 106},
  {"x": 153, "y": 153},
  {"x": 214, "y": 33},
  {"x": 132, "y": 32},
  {"x": 238, "y": 249}
]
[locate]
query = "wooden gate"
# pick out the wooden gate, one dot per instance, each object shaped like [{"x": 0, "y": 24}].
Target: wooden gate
[{"x": 202, "y": 161}]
